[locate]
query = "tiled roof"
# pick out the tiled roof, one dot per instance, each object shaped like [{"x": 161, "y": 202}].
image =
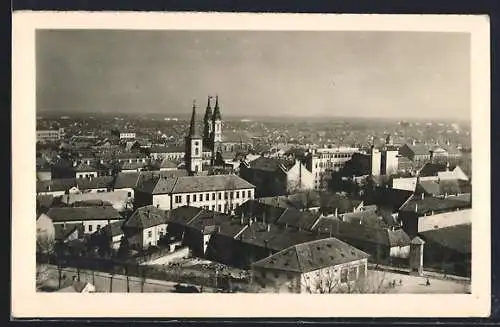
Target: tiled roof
[
  {"x": 83, "y": 213},
  {"x": 221, "y": 223},
  {"x": 352, "y": 232},
  {"x": 444, "y": 187},
  {"x": 298, "y": 219},
  {"x": 166, "y": 163},
  {"x": 166, "y": 149},
  {"x": 429, "y": 204},
  {"x": 116, "y": 198},
  {"x": 457, "y": 238},
  {"x": 132, "y": 165},
  {"x": 62, "y": 231},
  {"x": 114, "y": 229},
  {"x": 311, "y": 256},
  {"x": 94, "y": 182},
  {"x": 83, "y": 167},
  {"x": 146, "y": 217},
  {"x": 432, "y": 169},
  {"x": 398, "y": 237},
  {"x": 126, "y": 180},
  {"x": 193, "y": 184},
  {"x": 261, "y": 211},
  {"x": 368, "y": 218},
  {"x": 420, "y": 149},
  {"x": 55, "y": 185},
  {"x": 270, "y": 164},
  {"x": 183, "y": 215}
]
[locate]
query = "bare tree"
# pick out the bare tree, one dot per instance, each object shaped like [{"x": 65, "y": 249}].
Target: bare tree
[{"x": 328, "y": 282}]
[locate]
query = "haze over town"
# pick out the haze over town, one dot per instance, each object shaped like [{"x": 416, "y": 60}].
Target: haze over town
[{"x": 309, "y": 74}]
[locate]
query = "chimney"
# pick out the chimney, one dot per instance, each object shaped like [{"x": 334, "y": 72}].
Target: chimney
[
  {"x": 336, "y": 212},
  {"x": 416, "y": 207},
  {"x": 422, "y": 195},
  {"x": 268, "y": 227}
]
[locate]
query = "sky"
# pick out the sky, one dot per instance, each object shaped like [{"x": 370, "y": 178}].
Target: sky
[{"x": 255, "y": 73}]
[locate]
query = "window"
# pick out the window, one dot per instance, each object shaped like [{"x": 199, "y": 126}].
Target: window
[
  {"x": 237, "y": 194},
  {"x": 178, "y": 199},
  {"x": 150, "y": 234},
  {"x": 219, "y": 208},
  {"x": 220, "y": 195},
  {"x": 196, "y": 151},
  {"x": 343, "y": 275},
  {"x": 225, "y": 207},
  {"x": 213, "y": 196},
  {"x": 201, "y": 197},
  {"x": 129, "y": 194},
  {"x": 90, "y": 228},
  {"x": 231, "y": 195},
  {"x": 207, "y": 196},
  {"x": 213, "y": 207},
  {"x": 188, "y": 198},
  {"x": 161, "y": 234},
  {"x": 242, "y": 194},
  {"x": 196, "y": 143},
  {"x": 98, "y": 227},
  {"x": 225, "y": 195},
  {"x": 249, "y": 194}
]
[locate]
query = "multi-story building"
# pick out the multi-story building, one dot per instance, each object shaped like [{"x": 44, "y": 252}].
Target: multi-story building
[
  {"x": 127, "y": 135},
  {"x": 221, "y": 193},
  {"x": 322, "y": 162},
  {"x": 49, "y": 135}
]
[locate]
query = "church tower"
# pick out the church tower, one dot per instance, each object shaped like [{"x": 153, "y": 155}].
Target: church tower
[
  {"x": 207, "y": 124},
  {"x": 216, "y": 130},
  {"x": 194, "y": 146}
]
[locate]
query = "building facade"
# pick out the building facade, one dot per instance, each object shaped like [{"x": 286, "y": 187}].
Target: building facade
[
  {"x": 322, "y": 162},
  {"x": 49, "y": 135}
]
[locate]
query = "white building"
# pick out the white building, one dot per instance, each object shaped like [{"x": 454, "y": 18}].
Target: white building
[
  {"x": 321, "y": 266},
  {"x": 49, "y": 135},
  {"x": 127, "y": 135},
  {"x": 92, "y": 218},
  {"x": 221, "y": 193},
  {"x": 322, "y": 162},
  {"x": 145, "y": 227}
]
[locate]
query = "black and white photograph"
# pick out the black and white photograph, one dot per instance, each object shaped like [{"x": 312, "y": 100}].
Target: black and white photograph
[{"x": 254, "y": 161}]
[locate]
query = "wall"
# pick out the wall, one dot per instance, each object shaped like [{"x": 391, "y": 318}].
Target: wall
[
  {"x": 211, "y": 204},
  {"x": 156, "y": 233},
  {"x": 163, "y": 201},
  {"x": 405, "y": 183},
  {"x": 299, "y": 178},
  {"x": 85, "y": 174},
  {"x": 400, "y": 252},
  {"x": 166, "y": 259},
  {"x": 446, "y": 219},
  {"x": 90, "y": 223},
  {"x": 376, "y": 161},
  {"x": 277, "y": 281},
  {"x": 391, "y": 162}
]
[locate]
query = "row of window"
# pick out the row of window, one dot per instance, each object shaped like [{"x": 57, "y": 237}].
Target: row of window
[
  {"x": 207, "y": 196},
  {"x": 227, "y": 207},
  {"x": 335, "y": 155},
  {"x": 329, "y": 164}
]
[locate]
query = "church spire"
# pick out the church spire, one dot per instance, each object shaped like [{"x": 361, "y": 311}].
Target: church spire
[
  {"x": 217, "y": 115},
  {"x": 193, "y": 126}
]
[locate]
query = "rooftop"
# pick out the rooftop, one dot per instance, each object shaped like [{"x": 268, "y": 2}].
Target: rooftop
[
  {"x": 311, "y": 256},
  {"x": 83, "y": 213}
]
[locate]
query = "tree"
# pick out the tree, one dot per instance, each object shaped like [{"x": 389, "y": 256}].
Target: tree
[
  {"x": 124, "y": 250},
  {"x": 327, "y": 281}
]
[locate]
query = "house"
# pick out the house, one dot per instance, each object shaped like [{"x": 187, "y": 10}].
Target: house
[
  {"x": 127, "y": 135},
  {"x": 45, "y": 232},
  {"x": 93, "y": 218},
  {"x": 372, "y": 240},
  {"x": 83, "y": 170},
  {"x": 167, "y": 165},
  {"x": 448, "y": 249},
  {"x": 114, "y": 231},
  {"x": 319, "y": 266},
  {"x": 445, "y": 219},
  {"x": 416, "y": 152},
  {"x": 55, "y": 187},
  {"x": 443, "y": 187},
  {"x": 145, "y": 227},
  {"x": 419, "y": 206},
  {"x": 131, "y": 167},
  {"x": 127, "y": 181},
  {"x": 222, "y": 193},
  {"x": 441, "y": 171},
  {"x": 95, "y": 184},
  {"x": 68, "y": 232},
  {"x": 273, "y": 176},
  {"x": 399, "y": 243}
]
